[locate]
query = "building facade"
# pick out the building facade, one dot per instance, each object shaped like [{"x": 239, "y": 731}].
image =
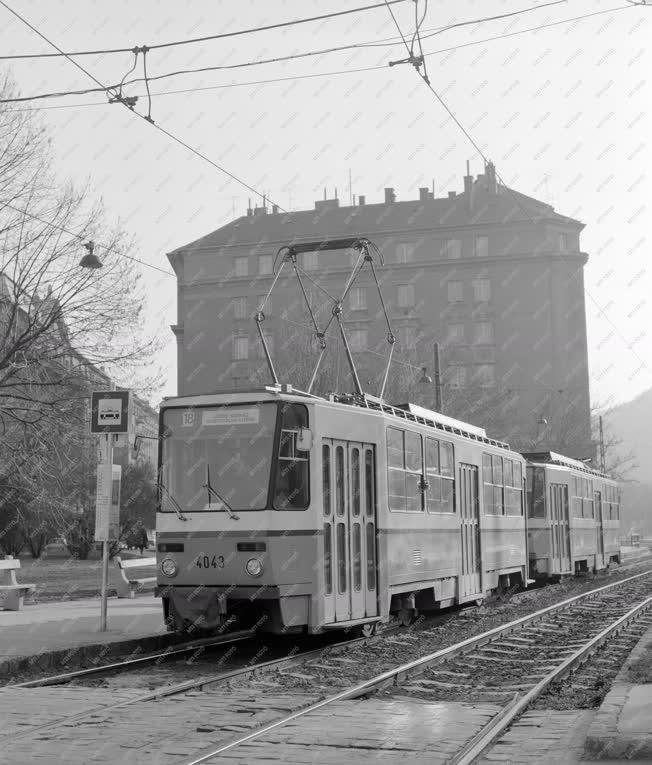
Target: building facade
[{"x": 495, "y": 277}]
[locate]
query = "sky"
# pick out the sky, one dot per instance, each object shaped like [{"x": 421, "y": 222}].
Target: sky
[{"x": 563, "y": 111}]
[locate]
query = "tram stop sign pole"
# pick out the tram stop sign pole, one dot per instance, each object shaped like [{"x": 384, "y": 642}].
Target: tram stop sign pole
[{"x": 109, "y": 418}]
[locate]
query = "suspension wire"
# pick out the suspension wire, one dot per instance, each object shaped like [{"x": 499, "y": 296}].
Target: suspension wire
[
  {"x": 514, "y": 195},
  {"x": 142, "y": 116},
  {"x": 220, "y": 36}
]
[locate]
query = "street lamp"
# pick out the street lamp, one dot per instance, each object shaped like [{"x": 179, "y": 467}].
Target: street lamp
[
  {"x": 425, "y": 378},
  {"x": 90, "y": 260}
]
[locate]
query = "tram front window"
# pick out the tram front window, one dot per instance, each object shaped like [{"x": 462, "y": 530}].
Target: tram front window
[{"x": 234, "y": 442}]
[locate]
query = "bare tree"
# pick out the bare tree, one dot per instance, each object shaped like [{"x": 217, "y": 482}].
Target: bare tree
[{"x": 58, "y": 321}]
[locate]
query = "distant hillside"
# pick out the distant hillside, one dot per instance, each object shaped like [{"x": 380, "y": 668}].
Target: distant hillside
[{"x": 632, "y": 423}]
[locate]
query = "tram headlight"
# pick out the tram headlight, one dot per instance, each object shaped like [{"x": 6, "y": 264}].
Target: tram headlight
[
  {"x": 169, "y": 567},
  {"x": 254, "y": 567}
]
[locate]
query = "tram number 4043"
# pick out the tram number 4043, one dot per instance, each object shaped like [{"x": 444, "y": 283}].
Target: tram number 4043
[{"x": 206, "y": 561}]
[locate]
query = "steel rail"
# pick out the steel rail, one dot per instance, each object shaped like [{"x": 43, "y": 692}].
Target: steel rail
[
  {"x": 406, "y": 670},
  {"x": 67, "y": 677},
  {"x": 515, "y": 708},
  {"x": 200, "y": 683}
]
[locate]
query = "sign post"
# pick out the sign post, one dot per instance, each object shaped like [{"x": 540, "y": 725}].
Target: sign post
[{"x": 109, "y": 416}]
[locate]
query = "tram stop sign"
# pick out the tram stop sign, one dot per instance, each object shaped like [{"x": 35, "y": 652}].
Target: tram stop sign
[{"x": 110, "y": 411}]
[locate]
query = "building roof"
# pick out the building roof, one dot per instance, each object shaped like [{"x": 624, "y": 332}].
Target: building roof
[{"x": 488, "y": 205}]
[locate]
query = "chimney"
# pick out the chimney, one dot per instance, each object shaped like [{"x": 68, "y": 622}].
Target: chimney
[
  {"x": 424, "y": 194},
  {"x": 490, "y": 174},
  {"x": 250, "y": 212},
  {"x": 390, "y": 196},
  {"x": 361, "y": 200},
  {"x": 274, "y": 209},
  {"x": 468, "y": 186}
]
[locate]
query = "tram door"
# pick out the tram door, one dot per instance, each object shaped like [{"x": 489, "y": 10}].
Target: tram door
[
  {"x": 471, "y": 575},
  {"x": 560, "y": 528},
  {"x": 600, "y": 562},
  {"x": 349, "y": 509}
]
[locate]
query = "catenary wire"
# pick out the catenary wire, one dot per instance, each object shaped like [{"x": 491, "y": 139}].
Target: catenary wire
[
  {"x": 396, "y": 40},
  {"x": 220, "y": 36},
  {"x": 516, "y": 196},
  {"x": 142, "y": 116},
  {"x": 81, "y": 238}
]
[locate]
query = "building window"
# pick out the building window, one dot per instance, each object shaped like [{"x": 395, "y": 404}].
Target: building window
[
  {"x": 483, "y": 333},
  {"x": 310, "y": 261},
  {"x": 481, "y": 290},
  {"x": 265, "y": 264},
  {"x": 240, "y": 347},
  {"x": 452, "y": 249},
  {"x": 404, "y": 252},
  {"x": 563, "y": 243},
  {"x": 407, "y": 337},
  {"x": 241, "y": 266},
  {"x": 455, "y": 292},
  {"x": 481, "y": 247},
  {"x": 406, "y": 295},
  {"x": 486, "y": 375},
  {"x": 458, "y": 377},
  {"x": 240, "y": 308},
  {"x": 455, "y": 334},
  {"x": 358, "y": 339},
  {"x": 358, "y": 299}
]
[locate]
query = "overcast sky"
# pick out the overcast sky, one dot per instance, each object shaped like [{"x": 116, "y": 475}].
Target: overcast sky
[{"x": 562, "y": 111}]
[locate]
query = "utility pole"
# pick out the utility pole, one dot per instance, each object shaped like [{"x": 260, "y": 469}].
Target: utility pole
[
  {"x": 602, "y": 460},
  {"x": 438, "y": 397}
]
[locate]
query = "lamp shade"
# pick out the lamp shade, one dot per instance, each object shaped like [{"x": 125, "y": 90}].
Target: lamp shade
[{"x": 90, "y": 260}]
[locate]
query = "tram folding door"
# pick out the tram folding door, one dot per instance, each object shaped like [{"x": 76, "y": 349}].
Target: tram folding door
[
  {"x": 349, "y": 518},
  {"x": 560, "y": 528},
  {"x": 600, "y": 561},
  {"x": 471, "y": 573}
]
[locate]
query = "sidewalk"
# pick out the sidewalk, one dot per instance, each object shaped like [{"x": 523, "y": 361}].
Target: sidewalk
[{"x": 52, "y": 631}]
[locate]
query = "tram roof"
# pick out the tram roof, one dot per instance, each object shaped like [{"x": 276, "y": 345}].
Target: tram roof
[
  {"x": 410, "y": 412},
  {"x": 552, "y": 458}
]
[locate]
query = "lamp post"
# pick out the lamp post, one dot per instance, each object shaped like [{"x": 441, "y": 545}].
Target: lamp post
[
  {"x": 90, "y": 260},
  {"x": 425, "y": 378},
  {"x": 542, "y": 424}
]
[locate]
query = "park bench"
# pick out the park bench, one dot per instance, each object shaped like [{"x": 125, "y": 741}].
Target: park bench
[
  {"x": 127, "y": 587},
  {"x": 12, "y": 593}
]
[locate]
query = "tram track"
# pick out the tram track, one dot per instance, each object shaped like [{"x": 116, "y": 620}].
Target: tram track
[
  {"x": 571, "y": 650},
  {"x": 266, "y": 696}
]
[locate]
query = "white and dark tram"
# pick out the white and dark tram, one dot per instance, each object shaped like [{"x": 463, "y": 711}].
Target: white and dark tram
[
  {"x": 292, "y": 512},
  {"x": 573, "y": 516}
]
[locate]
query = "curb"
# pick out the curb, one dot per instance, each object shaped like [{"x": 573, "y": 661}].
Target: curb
[
  {"x": 604, "y": 740},
  {"x": 86, "y": 655}
]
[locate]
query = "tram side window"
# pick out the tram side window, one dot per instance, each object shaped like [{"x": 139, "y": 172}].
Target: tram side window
[
  {"x": 404, "y": 466},
  {"x": 513, "y": 488},
  {"x": 492, "y": 476},
  {"x": 535, "y": 490},
  {"x": 440, "y": 494},
  {"x": 582, "y": 497},
  {"x": 292, "y": 489}
]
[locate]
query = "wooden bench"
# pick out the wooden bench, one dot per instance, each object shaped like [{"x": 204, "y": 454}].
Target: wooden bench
[
  {"x": 12, "y": 593},
  {"x": 127, "y": 588}
]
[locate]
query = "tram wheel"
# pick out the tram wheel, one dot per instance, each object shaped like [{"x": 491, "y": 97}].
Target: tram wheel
[
  {"x": 405, "y": 617},
  {"x": 368, "y": 630}
]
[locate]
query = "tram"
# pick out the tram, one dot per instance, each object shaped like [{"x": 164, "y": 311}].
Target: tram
[
  {"x": 295, "y": 513},
  {"x": 573, "y": 516}
]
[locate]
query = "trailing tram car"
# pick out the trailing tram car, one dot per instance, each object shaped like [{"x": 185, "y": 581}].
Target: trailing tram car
[
  {"x": 290, "y": 512},
  {"x": 573, "y": 516}
]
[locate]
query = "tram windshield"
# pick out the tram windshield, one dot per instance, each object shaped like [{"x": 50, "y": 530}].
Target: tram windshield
[{"x": 232, "y": 444}]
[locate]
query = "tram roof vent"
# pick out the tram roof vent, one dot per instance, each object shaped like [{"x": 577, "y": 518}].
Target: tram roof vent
[{"x": 442, "y": 419}]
